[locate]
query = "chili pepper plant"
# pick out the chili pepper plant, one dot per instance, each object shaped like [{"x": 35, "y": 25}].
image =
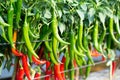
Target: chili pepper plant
[{"x": 37, "y": 32}]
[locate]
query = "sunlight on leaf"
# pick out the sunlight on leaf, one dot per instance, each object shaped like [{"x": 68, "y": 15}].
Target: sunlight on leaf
[{"x": 61, "y": 27}]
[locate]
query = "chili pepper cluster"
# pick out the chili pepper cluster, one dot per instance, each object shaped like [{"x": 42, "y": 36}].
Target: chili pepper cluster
[{"x": 67, "y": 34}]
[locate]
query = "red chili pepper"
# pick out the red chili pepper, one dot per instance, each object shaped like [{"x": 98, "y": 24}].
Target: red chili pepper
[
  {"x": 16, "y": 53},
  {"x": 41, "y": 51},
  {"x": 37, "y": 61},
  {"x": 62, "y": 67},
  {"x": 48, "y": 72},
  {"x": 20, "y": 74},
  {"x": 103, "y": 58},
  {"x": 57, "y": 74},
  {"x": 17, "y": 69},
  {"x": 37, "y": 76},
  {"x": 47, "y": 65},
  {"x": 113, "y": 67},
  {"x": 17, "y": 73},
  {"x": 26, "y": 67}
]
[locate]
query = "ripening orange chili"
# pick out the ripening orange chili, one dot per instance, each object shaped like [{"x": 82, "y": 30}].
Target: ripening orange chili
[
  {"x": 15, "y": 52},
  {"x": 15, "y": 36},
  {"x": 37, "y": 61}
]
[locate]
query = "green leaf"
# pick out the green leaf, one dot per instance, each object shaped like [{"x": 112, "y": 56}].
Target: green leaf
[
  {"x": 116, "y": 19},
  {"x": 72, "y": 19},
  {"x": 97, "y": 1},
  {"x": 81, "y": 14},
  {"x": 91, "y": 14},
  {"x": 61, "y": 27},
  {"x": 47, "y": 14},
  {"x": 2, "y": 23},
  {"x": 102, "y": 17},
  {"x": 108, "y": 12},
  {"x": 1, "y": 55},
  {"x": 60, "y": 13},
  {"x": 2, "y": 33},
  {"x": 84, "y": 7},
  {"x": 70, "y": 1}
]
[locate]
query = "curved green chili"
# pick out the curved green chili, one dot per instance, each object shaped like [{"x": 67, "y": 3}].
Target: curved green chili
[
  {"x": 111, "y": 31},
  {"x": 10, "y": 22},
  {"x": 81, "y": 52},
  {"x": 79, "y": 63},
  {"x": 51, "y": 53},
  {"x": 54, "y": 26},
  {"x": 55, "y": 47},
  {"x": 26, "y": 37},
  {"x": 102, "y": 37},
  {"x": 75, "y": 49},
  {"x": 33, "y": 35},
  {"x": 85, "y": 43},
  {"x": 95, "y": 36},
  {"x": 80, "y": 36}
]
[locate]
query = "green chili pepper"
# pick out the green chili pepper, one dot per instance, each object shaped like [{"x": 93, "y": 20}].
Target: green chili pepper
[
  {"x": 33, "y": 35},
  {"x": 95, "y": 36},
  {"x": 80, "y": 36},
  {"x": 111, "y": 31},
  {"x": 102, "y": 37},
  {"x": 67, "y": 59},
  {"x": 103, "y": 34},
  {"x": 51, "y": 53},
  {"x": 54, "y": 26},
  {"x": 79, "y": 63},
  {"x": 88, "y": 69},
  {"x": 26, "y": 37},
  {"x": 81, "y": 52},
  {"x": 75, "y": 49},
  {"x": 109, "y": 40},
  {"x": 55, "y": 47},
  {"x": 71, "y": 55},
  {"x": 85, "y": 43},
  {"x": 72, "y": 72},
  {"x": 10, "y": 22},
  {"x": 18, "y": 12}
]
